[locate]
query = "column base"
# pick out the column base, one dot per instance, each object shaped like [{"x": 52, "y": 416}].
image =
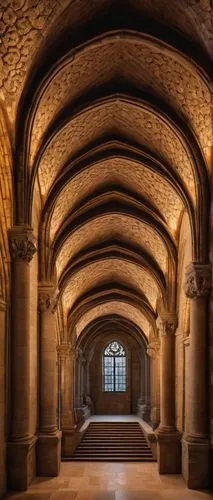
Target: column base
[
  {"x": 168, "y": 451},
  {"x": 196, "y": 463},
  {"x": 21, "y": 463},
  {"x": 49, "y": 454}
]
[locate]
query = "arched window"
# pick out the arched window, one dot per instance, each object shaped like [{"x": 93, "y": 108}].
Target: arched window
[{"x": 114, "y": 368}]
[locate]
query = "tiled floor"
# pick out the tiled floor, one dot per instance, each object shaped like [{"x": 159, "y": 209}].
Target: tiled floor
[{"x": 110, "y": 481}]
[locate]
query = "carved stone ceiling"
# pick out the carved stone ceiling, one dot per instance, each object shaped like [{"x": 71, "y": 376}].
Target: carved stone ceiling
[
  {"x": 28, "y": 25},
  {"x": 110, "y": 271},
  {"x": 124, "y": 173},
  {"x": 114, "y": 307},
  {"x": 113, "y": 227},
  {"x": 136, "y": 123},
  {"x": 144, "y": 65}
]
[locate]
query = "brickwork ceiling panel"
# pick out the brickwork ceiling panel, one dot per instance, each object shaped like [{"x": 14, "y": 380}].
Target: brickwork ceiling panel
[
  {"x": 114, "y": 307},
  {"x": 145, "y": 66},
  {"x": 128, "y": 119},
  {"x": 110, "y": 271},
  {"x": 113, "y": 227},
  {"x": 119, "y": 172}
]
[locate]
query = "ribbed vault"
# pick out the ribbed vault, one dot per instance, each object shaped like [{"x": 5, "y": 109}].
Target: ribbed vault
[{"x": 109, "y": 104}]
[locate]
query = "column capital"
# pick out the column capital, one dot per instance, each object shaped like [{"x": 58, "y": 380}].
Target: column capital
[
  {"x": 64, "y": 350},
  {"x": 167, "y": 324},
  {"x": 153, "y": 349},
  {"x": 47, "y": 296},
  {"x": 22, "y": 243},
  {"x": 198, "y": 280}
]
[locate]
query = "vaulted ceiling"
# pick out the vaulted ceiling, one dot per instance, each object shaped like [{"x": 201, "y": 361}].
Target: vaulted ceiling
[{"x": 109, "y": 109}]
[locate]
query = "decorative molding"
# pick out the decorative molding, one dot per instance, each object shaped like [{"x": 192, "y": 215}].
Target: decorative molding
[
  {"x": 47, "y": 297},
  {"x": 198, "y": 280},
  {"x": 22, "y": 243},
  {"x": 167, "y": 324}
]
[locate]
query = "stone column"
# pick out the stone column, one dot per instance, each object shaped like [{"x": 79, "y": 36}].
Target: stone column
[
  {"x": 78, "y": 356},
  {"x": 21, "y": 445},
  {"x": 153, "y": 350},
  {"x": 168, "y": 438},
  {"x": 195, "y": 444},
  {"x": 66, "y": 356},
  {"x": 49, "y": 437},
  {"x": 2, "y": 397},
  {"x": 146, "y": 406}
]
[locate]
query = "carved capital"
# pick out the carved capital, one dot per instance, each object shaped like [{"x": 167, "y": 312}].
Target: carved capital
[
  {"x": 64, "y": 350},
  {"x": 167, "y": 324},
  {"x": 22, "y": 243},
  {"x": 47, "y": 297},
  {"x": 198, "y": 280},
  {"x": 153, "y": 349}
]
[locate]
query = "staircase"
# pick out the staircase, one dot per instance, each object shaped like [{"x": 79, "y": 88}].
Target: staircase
[{"x": 114, "y": 442}]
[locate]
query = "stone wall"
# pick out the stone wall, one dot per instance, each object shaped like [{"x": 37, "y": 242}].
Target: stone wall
[
  {"x": 126, "y": 403},
  {"x": 210, "y": 357}
]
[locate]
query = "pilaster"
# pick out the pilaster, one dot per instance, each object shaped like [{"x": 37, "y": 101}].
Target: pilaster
[{"x": 195, "y": 444}]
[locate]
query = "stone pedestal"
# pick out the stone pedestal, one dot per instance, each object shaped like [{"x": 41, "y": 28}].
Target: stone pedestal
[
  {"x": 49, "y": 454},
  {"x": 49, "y": 438},
  {"x": 21, "y": 463},
  {"x": 168, "y": 452},
  {"x": 195, "y": 444},
  {"x": 21, "y": 445},
  {"x": 168, "y": 438},
  {"x": 196, "y": 464}
]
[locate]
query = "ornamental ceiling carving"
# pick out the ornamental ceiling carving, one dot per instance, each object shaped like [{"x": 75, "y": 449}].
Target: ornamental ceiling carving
[
  {"x": 110, "y": 271},
  {"x": 128, "y": 119},
  {"x": 113, "y": 227},
  {"x": 114, "y": 307},
  {"x": 83, "y": 87},
  {"x": 26, "y": 25},
  {"x": 144, "y": 65},
  {"x": 117, "y": 171}
]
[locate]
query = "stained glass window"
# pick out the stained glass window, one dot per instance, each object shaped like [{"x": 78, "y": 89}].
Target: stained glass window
[{"x": 114, "y": 368}]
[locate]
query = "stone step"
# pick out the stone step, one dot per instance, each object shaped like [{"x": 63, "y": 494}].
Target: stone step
[{"x": 113, "y": 442}]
